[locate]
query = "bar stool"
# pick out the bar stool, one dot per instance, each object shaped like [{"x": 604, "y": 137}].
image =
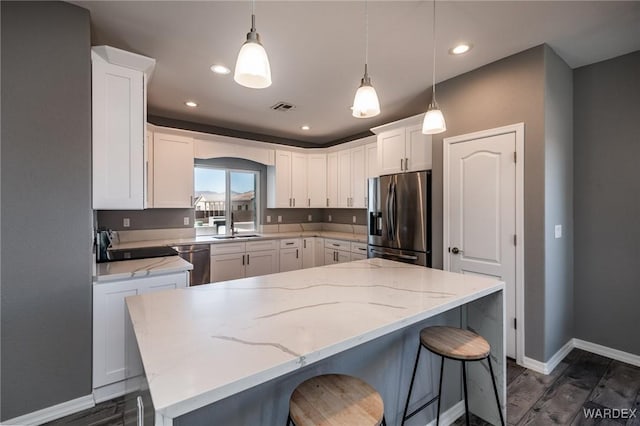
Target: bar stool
[
  {"x": 335, "y": 400},
  {"x": 456, "y": 344}
]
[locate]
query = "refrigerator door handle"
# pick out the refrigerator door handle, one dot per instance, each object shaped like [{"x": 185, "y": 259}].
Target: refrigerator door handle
[
  {"x": 388, "y": 215},
  {"x": 393, "y": 211},
  {"x": 400, "y": 256}
]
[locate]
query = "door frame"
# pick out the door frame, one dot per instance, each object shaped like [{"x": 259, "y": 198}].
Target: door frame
[{"x": 518, "y": 129}]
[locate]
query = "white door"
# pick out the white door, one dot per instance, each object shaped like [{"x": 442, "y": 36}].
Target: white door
[{"x": 482, "y": 214}]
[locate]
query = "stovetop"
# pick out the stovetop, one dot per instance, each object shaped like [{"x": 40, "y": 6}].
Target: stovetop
[{"x": 139, "y": 253}]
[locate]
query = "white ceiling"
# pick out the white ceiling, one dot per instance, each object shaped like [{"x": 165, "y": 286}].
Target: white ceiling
[{"x": 316, "y": 50}]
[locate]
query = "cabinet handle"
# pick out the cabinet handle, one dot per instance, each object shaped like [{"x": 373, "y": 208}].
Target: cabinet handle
[
  {"x": 296, "y": 253},
  {"x": 335, "y": 245},
  {"x": 294, "y": 202},
  {"x": 327, "y": 202},
  {"x": 304, "y": 243},
  {"x": 406, "y": 164},
  {"x": 309, "y": 202},
  {"x": 289, "y": 244},
  {"x": 247, "y": 259},
  {"x": 140, "y": 419},
  {"x": 335, "y": 256},
  {"x": 243, "y": 260}
]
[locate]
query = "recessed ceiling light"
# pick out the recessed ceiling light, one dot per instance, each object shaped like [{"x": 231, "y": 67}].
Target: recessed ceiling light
[
  {"x": 460, "y": 49},
  {"x": 220, "y": 69},
  {"x": 305, "y": 127},
  {"x": 191, "y": 104}
]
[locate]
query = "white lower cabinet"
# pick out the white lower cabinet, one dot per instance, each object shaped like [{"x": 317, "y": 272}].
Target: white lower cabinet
[
  {"x": 115, "y": 351},
  {"x": 308, "y": 252},
  {"x": 336, "y": 251},
  {"x": 231, "y": 261},
  {"x": 290, "y": 254},
  {"x": 358, "y": 251}
]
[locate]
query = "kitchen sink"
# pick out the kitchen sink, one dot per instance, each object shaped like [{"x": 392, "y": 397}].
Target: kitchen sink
[{"x": 235, "y": 237}]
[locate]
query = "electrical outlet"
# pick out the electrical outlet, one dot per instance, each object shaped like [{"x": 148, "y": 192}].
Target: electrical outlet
[
  {"x": 186, "y": 220},
  {"x": 329, "y": 218},
  {"x": 268, "y": 219},
  {"x": 309, "y": 218},
  {"x": 558, "y": 231},
  {"x": 354, "y": 219},
  {"x": 126, "y": 222},
  {"x": 279, "y": 219}
]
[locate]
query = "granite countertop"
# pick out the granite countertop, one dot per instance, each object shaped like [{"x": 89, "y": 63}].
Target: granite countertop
[
  {"x": 246, "y": 332},
  {"x": 114, "y": 271},
  {"x": 209, "y": 239}
]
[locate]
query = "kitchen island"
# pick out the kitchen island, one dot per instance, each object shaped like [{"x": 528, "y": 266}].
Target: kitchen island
[{"x": 232, "y": 353}]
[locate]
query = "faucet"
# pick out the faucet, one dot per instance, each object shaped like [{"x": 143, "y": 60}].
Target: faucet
[{"x": 233, "y": 230}]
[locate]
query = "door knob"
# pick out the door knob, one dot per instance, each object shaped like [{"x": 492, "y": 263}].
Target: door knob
[{"x": 456, "y": 250}]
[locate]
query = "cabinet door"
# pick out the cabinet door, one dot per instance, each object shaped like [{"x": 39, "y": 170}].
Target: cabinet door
[
  {"x": 343, "y": 256},
  {"x": 358, "y": 256},
  {"x": 371, "y": 159},
  {"x": 308, "y": 253},
  {"x": 261, "y": 263},
  {"x": 418, "y": 149},
  {"x": 283, "y": 180},
  {"x": 318, "y": 251},
  {"x": 344, "y": 178},
  {"x": 358, "y": 178},
  {"x": 112, "y": 332},
  {"x": 317, "y": 180},
  {"x": 118, "y": 130},
  {"x": 330, "y": 256},
  {"x": 148, "y": 169},
  {"x": 299, "y": 180},
  {"x": 226, "y": 267},
  {"x": 172, "y": 171},
  {"x": 391, "y": 151},
  {"x": 332, "y": 180},
  {"x": 290, "y": 259}
]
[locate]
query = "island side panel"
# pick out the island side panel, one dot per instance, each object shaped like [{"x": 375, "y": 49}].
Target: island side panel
[
  {"x": 486, "y": 316},
  {"x": 386, "y": 363}
]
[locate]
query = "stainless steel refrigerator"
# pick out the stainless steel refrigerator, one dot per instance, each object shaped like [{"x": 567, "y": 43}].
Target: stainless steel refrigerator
[{"x": 399, "y": 217}]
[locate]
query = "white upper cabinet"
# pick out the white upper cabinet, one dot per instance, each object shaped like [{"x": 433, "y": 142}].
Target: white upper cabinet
[
  {"x": 332, "y": 180},
  {"x": 351, "y": 182},
  {"x": 344, "y": 178},
  {"x": 118, "y": 127},
  {"x": 402, "y": 147},
  {"x": 371, "y": 159},
  {"x": 298, "y": 180},
  {"x": 317, "y": 180},
  {"x": 172, "y": 171}
]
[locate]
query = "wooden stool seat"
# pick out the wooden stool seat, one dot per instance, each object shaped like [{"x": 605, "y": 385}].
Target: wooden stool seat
[
  {"x": 335, "y": 400},
  {"x": 455, "y": 343}
]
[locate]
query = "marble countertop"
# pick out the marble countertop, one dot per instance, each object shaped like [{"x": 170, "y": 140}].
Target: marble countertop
[
  {"x": 209, "y": 239},
  {"x": 114, "y": 271},
  {"x": 202, "y": 344}
]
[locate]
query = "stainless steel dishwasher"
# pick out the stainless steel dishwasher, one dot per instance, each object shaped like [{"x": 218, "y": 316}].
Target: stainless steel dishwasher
[{"x": 198, "y": 256}]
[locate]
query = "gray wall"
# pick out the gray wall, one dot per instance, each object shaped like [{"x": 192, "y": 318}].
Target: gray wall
[
  {"x": 607, "y": 202},
  {"x": 46, "y": 206},
  {"x": 508, "y": 91},
  {"x": 558, "y": 171},
  {"x": 145, "y": 219}
]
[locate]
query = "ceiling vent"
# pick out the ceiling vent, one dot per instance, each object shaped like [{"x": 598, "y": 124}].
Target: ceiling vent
[{"x": 282, "y": 106}]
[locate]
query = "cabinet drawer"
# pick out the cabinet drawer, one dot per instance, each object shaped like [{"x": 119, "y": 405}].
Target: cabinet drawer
[
  {"x": 359, "y": 248},
  {"x": 337, "y": 244},
  {"x": 226, "y": 248},
  {"x": 290, "y": 243},
  {"x": 262, "y": 245}
]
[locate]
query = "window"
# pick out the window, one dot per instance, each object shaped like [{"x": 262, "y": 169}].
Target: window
[{"x": 225, "y": 196}]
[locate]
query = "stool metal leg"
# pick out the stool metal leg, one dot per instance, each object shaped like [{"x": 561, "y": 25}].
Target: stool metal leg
[
  {"x": 440, "y": 390},
  {"x": 466, "y": 399},
  {"x": 289, "y": 421},
  {"x": 495, "y": 390},
  {"x": 413, "y": 378}
]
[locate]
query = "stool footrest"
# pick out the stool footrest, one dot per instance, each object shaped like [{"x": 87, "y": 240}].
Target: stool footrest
[{"x": 422, "y": 407}]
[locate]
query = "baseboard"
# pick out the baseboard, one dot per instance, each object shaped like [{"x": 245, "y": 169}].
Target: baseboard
[
  {"x": 616, "y": 354},
  {"x": 450, "y": 416},
  {"x": 548, "y": 367},
  {"x": 53, "y": 413},
  {"x": 114, "y": 390}
]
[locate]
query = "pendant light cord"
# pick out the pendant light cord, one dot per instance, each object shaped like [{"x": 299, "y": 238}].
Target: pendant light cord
[
  {"x": 433, "y": 86},
  {"x": 366, "y": 35},
  {"x": 253, "y": 15}
]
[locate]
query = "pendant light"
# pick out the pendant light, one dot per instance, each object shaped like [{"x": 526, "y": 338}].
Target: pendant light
[
  {"x": 433, "y": 119},
  {"x": 365, "y": 103},
  {"x": 252, "y": 67}
]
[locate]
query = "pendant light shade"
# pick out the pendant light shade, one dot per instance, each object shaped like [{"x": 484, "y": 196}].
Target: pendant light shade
[
  {"x": 434, "y": 119},
  {"x": 252, "y": 67},
  {"x": 365, "y": 103}
]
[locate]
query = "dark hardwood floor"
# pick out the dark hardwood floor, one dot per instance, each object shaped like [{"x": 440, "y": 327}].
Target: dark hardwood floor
[{"x": 582, "y": 381}]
